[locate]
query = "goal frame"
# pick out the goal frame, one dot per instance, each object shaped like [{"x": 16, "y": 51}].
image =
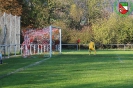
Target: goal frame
[{"x": 50, "y": 43}]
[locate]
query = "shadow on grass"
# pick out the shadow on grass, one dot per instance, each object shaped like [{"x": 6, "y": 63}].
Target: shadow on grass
[
  {"x": 15, "y": 63},
  {"x": 74, "y": 71},
  {"x": 101, "y": 85}
]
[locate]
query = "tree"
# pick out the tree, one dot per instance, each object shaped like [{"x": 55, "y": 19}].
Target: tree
[
  {"x": 39, "y": 13},
  {"x": 34, "y": 13},
  {"x": 115, "y": 29},
  {"x": 11, "y": 6},
  {"x": 95, "y": 8}
]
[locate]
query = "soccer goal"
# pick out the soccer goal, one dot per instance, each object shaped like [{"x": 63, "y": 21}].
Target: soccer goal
[{"x": 41, "y": 41}]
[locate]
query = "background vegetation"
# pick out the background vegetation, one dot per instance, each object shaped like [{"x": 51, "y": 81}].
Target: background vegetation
[{"x": 78, "y": 19}]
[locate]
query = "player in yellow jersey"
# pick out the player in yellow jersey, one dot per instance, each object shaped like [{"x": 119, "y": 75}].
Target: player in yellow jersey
[{"x": 92, "y": 47}]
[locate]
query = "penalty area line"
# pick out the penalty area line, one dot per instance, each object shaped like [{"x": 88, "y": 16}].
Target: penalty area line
[
  {"x": 24, "y": 68},
  {"x": 119, "y": 58}
]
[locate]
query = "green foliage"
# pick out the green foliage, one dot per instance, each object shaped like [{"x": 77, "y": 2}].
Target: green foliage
[
  {"x": 94, "y": 10},
  {"x": 75, "y": 13},
  {"x": 38, "y": 13},
  {"x": 67, "y": 15},
  {"x": 115, "y": 29},
  {"x": 84, "y": 19}
]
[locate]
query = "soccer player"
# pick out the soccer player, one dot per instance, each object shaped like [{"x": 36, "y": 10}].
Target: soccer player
[{"x": 92, "y": 47}]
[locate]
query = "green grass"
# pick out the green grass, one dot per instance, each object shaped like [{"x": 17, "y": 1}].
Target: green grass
[{"x": 107, "y": 69}]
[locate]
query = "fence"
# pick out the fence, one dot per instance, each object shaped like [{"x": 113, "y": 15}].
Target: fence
[
  {"x": 115, "y": 46},
  {"x": 98, "y": 46},
  {"x": 9, "y": 31},
  {"x": 44, "y": 48},
  {"x": 32, "y": 49},
  {"x": 7, "y": 52}
]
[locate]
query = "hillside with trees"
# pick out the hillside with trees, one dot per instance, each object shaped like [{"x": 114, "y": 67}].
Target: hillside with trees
[{"x": 78, "y": 19}]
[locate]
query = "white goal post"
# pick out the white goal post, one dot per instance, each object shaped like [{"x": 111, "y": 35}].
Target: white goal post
[
  {"x": 50, "y": 43},
  {"x": 45, "y": 40}
]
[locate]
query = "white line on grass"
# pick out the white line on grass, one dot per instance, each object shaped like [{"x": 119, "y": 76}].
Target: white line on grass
[
  {"x": 23, "y": 68},
  {"x": 70, "y": 52},
  {"x": 119, "y": 58}
]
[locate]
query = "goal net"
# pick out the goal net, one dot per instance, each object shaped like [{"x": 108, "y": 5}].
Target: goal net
[{"x": 41, "y": 41}]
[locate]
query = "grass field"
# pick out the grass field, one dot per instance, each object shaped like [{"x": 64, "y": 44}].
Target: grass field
[{"x": 107, "y": 69}]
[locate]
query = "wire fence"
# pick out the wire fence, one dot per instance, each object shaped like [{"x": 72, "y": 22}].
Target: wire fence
[
  {"x": 9, "y": 30},
  {"x": 44, "y": 49},
  {"x": 30, "y": 49},
  {"x": 98, "y": 46}
]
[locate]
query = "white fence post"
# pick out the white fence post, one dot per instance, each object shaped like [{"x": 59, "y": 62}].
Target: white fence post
[
  {"x": 50, "y": 43},
  {"x": 21, "y": 49},
  {"x": 38, "y": 48},
  {"x": 15, "y": 30},
  {"x": 8, "y": 49},
  {"x": 10, "y": 32},
  {"x": 41, "y": 48},
  {"x": 60, "y": 41},
  {"x": 44, "y": 48}
]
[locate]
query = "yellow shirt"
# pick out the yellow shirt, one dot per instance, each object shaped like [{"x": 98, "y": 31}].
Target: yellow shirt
[{"x": 91, "y": 45}]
